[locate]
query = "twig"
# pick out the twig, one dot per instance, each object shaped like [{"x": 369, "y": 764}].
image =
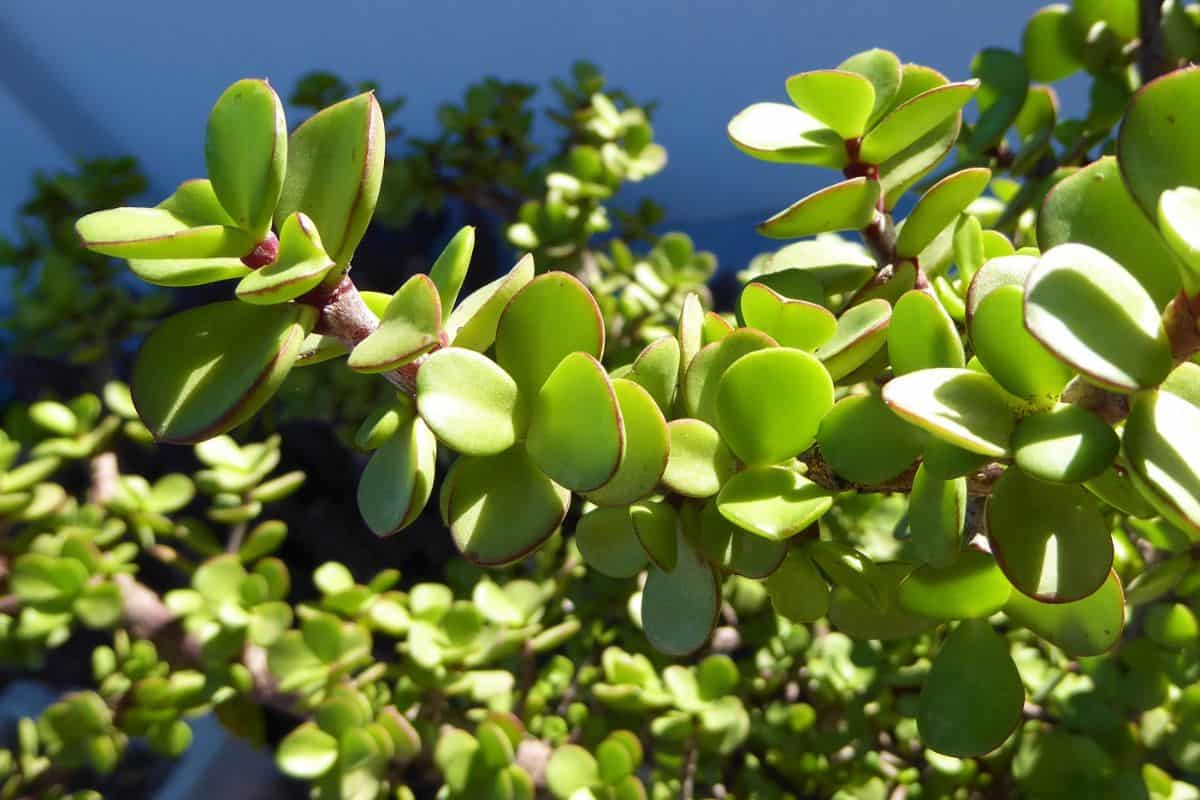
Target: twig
[
  {"x": 688, "y": 788},
  {"x": 1152, "y": 55}
]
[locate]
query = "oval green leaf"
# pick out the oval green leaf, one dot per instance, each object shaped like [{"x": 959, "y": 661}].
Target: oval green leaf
[
  {"x": 501, "y": 508},
  {"x": 334, "y": 169},
  {"x": 1094, "y": 315},
  {"x": 647, "y": 448},
  {"x": 1064, "y": 445},
  {"x": 206, "y": 370},
  {"x": 398, "y": 479},
  {"x": 469, "y": 402},
  {"x": 774, "y": 502},
  {"x": 553, "y": 316},
  {"x": 245, "y": 150},
  {"x": 576, "y": 430},
  {"x": 848, "y": 205},
  {"x": 766, "y": 427},
  {"x": 922, "y": 335},
  {"x": 960, "y": 406},
  {"x": 865, "y": 442},
  {"x": 1063, "y": 552},
  {"x": 973, "y": 696}
]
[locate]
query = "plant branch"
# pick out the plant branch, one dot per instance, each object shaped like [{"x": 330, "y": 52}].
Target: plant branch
[
  {"x": 148, "y": 617},
  {"x": 346, "y": 317},
  {"x": 1152, "y": 54},
  {"x": 979, "y": 482}
]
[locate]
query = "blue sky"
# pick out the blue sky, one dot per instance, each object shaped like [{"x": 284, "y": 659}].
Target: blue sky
[{"x": 138, "y": 76}]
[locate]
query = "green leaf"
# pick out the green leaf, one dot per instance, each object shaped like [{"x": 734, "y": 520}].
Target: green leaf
[
  {"x": 1003, "y": 84},
  {"x": 997, "y": 271},
  {"x": 609, "y": 544},
  {"x": 838, "y": 99},
  {"x": 576, "y": 431},
  {"x": 680, "y": 607},
  {"x": 656, "y": 523},
  {"x": 784, "y": 134},
  {"x": 473, "y": 323},
  {"x": 861, "y": 332},
  {"x": 1179, "y": 220},
  {"x": 882, "y": 69},
  {"x": 615, "y": 762},
  {"x": 690, "y": 330},
  {"x": 937, "y": 511},
  {"x": 1086, "y": 627},
  {"x": 54, "y": 417},
  {"x": 973, "y": 696},
  {"x": 792, "y": 323},
  {"x": 1059, "y": 554},
  {"x": 180, "y": 272},
  {"x": 1090, "y": 312},
  {"x": 206, "y": 370},
  {"x": 170, "y": 493},
  {"x": 656, "y": 369},
  {"x": 143, "y": 233},
  {"x": 847, "y": 567},
  {"x": 469, "y": 402},
  {"x": 553, "y": 316},
  {"x": 307, "y": 752},
  {"x": 450, "y": 269},
  {"x": 859, "y": 619},
  {"x": 699, "y": 462},
  {"x": 764, "y": 428},
  {"x": 43, "y": 580},
  {"x": 569, "y": 769},
  {"x": 939, "y": 207},
  {"x": 195, "y": 203},
  {"x": 1172, "y": 625},
  {"x": 773, "y": 502},
  {"x": 300, "y": 266},
  {"x": 901, "y": 171},
  {"x": 848, "y": 205},
  {"x": 973, "y": 586},
  {"x": 398, "y": 479},
  {"x": 501, "y": 508},
  {"x": 865, "y": 442},
  {"x": 334, "y": 169},
  {"x": 383, "y": 422},
  {"x": 220, "y": 579},
  {"x": 246, "y": 151},
  {"x": 907, "y": 122},
  {"x": 647, "y": 448},
  {"x": 965, "y": 408},
  {"x": 702, "y": 380},
  {"x": 1065, "y": 445},
  {"x": 836, "y": 264},
  {"x": 1156, "y": 149},
  {"x": 922, "y": 335},
  {"x": 1161, "y": 444},
  {"x": 1115, "y": 488},
  {"x": 797, "y": 589},
  {"x": 1051, "y": 44},
  {"x": 1094, "y": 207},
  {"x": 733, "y": 549},
  {"x": 410, "y": 327},
  {"x": 1010, "y": 354}
]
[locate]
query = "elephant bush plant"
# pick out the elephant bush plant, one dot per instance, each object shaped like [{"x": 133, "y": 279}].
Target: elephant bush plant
[{"x": 917, "y": 516}]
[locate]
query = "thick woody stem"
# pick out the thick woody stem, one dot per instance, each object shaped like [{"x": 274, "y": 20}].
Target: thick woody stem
[
  {"x": 1152, "y": 56},
  {"x": 979, "y": 482},
  {"x": 346, "y": 317},
  {"x": 147, "y": 617},
  {"x": 104, "y": 478}
]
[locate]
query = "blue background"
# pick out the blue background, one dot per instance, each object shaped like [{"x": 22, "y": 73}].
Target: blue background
[{"x": 139, "y": 76}]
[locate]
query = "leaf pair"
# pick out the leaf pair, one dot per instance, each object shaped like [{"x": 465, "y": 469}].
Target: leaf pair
[{"x": 319, "y": 186}]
